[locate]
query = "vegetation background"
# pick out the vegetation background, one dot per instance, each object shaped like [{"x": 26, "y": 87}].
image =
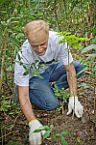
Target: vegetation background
[{"x": 75, "y": 16}]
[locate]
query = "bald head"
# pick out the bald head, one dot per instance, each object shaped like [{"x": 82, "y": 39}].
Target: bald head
[
  {"x": 37, "y": 33},
  {"x": 35, "y": 26}
]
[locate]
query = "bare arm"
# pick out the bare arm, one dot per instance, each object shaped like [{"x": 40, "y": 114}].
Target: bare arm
[
  {"x": 25, "y": 103},
  {"x": 71, "y": 77}
]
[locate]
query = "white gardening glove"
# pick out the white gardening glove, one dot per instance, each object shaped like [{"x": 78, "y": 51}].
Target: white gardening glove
[
  {"x": 35, "y": 138},
  {"x": 77, "y": 106}
]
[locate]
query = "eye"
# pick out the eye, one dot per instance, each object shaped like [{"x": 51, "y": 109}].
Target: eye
[
  {"x": 35, "y": 46},
  {"x": 42, "y": 44}
]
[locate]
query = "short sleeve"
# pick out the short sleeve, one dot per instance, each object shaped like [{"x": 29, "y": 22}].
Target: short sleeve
[{"x": 19, "y": 78}]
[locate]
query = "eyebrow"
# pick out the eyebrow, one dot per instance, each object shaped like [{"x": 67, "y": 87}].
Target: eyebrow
[{"x": 39, "y": 44}]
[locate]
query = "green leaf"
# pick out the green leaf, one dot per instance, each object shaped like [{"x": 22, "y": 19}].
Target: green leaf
[
  {"x": 5, "y": 105},
  {"x": 44, "y": 128},
  {"x": 94, "y": 30},
  {"x": 63, "y": 141},
  {"x": 84, "y": 85},
  {"x": 64, "y": 133},
  {"x": 19, "y": 57},
  {"x": 57, "y": 135},
  {"x": 14, "y": 41},
  {"x": 88, "y": 48},
  {"x": 25, "y": 67},
  {"x": 47, "y": 134},
  {"x": 72, "y": 40},
  {"x": 91, "y": 56},
  {"x": 26, "y": 72},
  {"x": 38, "y": 130},
  {"x": 1, "y": 1},
  {"x": 94, "y": 40}
]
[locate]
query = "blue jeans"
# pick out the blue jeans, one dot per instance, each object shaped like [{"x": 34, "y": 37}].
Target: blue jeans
[{"x": 41, "y": 92}]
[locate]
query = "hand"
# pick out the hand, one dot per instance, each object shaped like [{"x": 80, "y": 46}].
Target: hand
[
  {"x": 35, "y": 138},
  {"x": 75, "y": 105}
]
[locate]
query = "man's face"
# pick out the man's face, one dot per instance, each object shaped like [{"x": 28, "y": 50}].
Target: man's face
[{"x": 38, "y": 41}]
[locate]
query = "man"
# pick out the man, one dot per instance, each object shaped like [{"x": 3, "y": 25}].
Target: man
[{"x": 42, "y": 47}]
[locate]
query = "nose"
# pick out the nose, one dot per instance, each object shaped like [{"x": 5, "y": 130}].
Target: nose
[{"x": 40, "y": 49}]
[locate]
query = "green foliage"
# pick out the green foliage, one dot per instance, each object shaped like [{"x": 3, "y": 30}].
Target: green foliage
[
  {"x": 72, "y": 40},
  {"x": 45, "y": 128},
  {"x": 48, "y": 130},
  {"x": 9, "y": 107},
  {"x": 15, "y": 14},
  {"x": 94, "y": 40},
  {"x": 84, "y": 86},
  {"x": 91, "y": 58},
  {"x": 35, "y": 68},
  {"x": 78, "y": 141},
  {"x": 62, "y": 15},
  {"x": 5, "y": 105},
  {"x": 10, "y": 44},
  {"x": 62, "y": 136},
  {"x": 61, "y": 94},
  {"x": 89, "y": 48},
  {"x": 94, "y": 30}
]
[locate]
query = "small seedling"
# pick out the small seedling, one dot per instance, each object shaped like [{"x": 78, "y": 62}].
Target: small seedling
[
  {"x": 47, "y": 130},
  {"x": 78, "y": 141},
  {"x": 62, "y": 136},
  {"x": 63, "y": 95}
]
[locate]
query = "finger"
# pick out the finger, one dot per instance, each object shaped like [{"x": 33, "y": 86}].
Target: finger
[
  {"x": 39, "y": 139},
  {"x": 69, "y": 111},
  {"x": 77, "y": 113},
  {"x": 31, "y": 139},
  {"x": 34, "y": 139},
  {"x": 80, "y": 111}
]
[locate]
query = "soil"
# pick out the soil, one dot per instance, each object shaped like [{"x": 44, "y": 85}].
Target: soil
[{"x": 80, "y": 131}]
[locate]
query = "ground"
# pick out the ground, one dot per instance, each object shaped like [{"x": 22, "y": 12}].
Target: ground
[{"x": 14, "y": 128}]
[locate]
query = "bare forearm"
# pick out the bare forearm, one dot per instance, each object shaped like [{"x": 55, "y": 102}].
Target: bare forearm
[
  {"x": 27, "y": 108},
  {"x": 72, "y": 81},
  {"x": 26, "y": 105},
  {"x": 72, "y": 84}
]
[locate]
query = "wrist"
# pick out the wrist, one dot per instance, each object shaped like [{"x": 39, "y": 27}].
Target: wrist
[
  {"x": 74, "y": 96},
  {"x": 33, "y": 120}
]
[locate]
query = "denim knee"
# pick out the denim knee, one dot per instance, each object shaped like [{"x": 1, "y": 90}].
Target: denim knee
[
  {"x": 42, "y": 95},
  {"x": 53, "y": 105}
]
